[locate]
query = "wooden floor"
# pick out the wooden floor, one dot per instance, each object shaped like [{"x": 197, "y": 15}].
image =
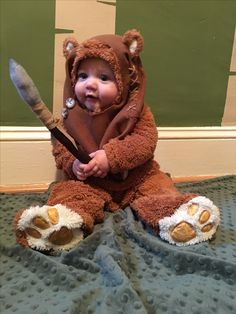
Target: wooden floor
[{"x": 22, "y": 188}]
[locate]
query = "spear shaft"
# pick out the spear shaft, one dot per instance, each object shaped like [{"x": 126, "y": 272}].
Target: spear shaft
[{"x": 30, "y": 95}]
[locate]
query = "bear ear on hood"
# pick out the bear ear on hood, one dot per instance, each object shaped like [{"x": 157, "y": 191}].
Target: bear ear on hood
[
  {"x": 69, "y": 46},
  {"x": 134, "y": 41}
]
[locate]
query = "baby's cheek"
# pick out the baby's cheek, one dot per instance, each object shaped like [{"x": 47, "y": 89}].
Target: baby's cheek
[{"x": 78, "y": 90}]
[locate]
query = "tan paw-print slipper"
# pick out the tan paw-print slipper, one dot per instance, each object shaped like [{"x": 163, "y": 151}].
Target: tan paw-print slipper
[
  {"x": 51, "y": 227},
  {"x": 193, "y": 222}
]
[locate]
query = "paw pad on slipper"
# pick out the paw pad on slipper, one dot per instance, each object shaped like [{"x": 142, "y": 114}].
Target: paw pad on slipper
[
  {"x": 193, "y": 222},
  {"x": 47, "y": 227}
]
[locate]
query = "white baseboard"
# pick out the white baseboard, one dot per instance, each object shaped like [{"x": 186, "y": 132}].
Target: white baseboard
[
  {"x": 199, "y": 151},
  {"x": 183, "y": 152}
]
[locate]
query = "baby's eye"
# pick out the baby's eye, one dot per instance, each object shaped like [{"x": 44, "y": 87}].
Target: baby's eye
[
  {"x": 104, "y": 77},
  {"x": 82, "y": 76}
]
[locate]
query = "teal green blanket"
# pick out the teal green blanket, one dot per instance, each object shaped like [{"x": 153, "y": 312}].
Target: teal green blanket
[{"x": 122, "y": 267}]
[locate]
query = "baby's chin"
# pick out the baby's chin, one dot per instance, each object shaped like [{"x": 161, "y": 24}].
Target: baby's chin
[{"x": 93, "y": 106}]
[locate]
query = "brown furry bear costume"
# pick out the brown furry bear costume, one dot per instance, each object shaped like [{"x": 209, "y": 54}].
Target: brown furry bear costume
[{"x": 127, "y": 132}]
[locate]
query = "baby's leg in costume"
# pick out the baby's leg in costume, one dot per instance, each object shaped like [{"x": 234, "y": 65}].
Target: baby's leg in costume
[
  {"x": 70, "y": 213},
  {"x": 181, "y": 219}
]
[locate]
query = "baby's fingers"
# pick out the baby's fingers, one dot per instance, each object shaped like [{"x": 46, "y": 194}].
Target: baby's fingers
[
  {"x": 100, "y": 174},
  {"x": 88, "y": 169},
  {"x": 81, "y": 176},
  {"x": 92, "y": 172}
]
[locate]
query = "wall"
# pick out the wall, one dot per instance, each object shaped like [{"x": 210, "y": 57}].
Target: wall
[
  {"x": 188, "y": 96},
  {"x": 27, "y": 35},
  {"x": 187, "y": 56}
]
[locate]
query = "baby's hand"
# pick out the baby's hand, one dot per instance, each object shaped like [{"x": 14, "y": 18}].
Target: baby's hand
[
  {"x": 98, "y": 166},
  {"x": 78, "y": 171}
]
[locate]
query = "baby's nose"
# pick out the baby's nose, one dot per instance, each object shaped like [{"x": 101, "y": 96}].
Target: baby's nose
[{"x": 91, "y": 83}]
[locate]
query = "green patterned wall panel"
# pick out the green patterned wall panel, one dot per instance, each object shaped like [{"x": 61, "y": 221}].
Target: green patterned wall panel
[
  {"x": 188, "y": 47},
  {"x": 27, "y": 35}
]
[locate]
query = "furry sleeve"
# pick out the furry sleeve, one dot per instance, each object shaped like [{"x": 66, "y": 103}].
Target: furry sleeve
[{"x": 135, "y": 149}]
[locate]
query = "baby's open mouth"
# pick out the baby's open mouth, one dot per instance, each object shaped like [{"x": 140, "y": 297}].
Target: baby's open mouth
[
  {"x": 91, "y": 97},
  {"x": 92, "y": 103}
]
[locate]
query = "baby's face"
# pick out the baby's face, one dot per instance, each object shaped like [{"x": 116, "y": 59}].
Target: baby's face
[{"x": 96, "y": 86}]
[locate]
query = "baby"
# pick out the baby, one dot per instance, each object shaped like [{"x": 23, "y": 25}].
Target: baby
[{"x": 104, "y": 112}]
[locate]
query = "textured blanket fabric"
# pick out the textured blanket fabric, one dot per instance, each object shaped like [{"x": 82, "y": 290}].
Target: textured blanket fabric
[{"x": 122, "y": 267}]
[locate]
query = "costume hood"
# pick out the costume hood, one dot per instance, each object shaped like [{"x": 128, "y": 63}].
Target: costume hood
[{"x": 91, "y": 130}]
